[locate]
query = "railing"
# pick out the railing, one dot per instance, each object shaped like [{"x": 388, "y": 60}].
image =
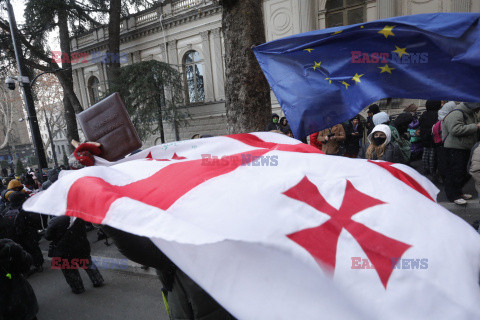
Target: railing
[
  {"x": 146, "y": 18},
  {"x": 186, "y": 5}
]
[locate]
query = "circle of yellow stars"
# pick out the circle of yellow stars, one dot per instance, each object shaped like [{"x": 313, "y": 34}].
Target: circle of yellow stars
[{"x": 387, "y": 31}]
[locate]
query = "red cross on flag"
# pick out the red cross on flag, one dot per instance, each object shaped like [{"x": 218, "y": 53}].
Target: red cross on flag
[{"x": 274, "y": 229}]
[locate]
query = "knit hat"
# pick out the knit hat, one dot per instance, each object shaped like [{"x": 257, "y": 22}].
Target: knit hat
[
  {"x": 380, "y": 118},
  {"x": 14, "y": 184}
]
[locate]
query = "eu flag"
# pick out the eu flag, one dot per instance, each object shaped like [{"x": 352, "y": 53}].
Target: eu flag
[{"x": 324, "y": 77}]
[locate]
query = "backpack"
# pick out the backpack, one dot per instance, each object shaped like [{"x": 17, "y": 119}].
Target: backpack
[{"x": 437, "y": 132}]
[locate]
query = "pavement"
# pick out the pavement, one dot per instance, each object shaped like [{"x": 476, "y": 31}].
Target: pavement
[{"x": 131, "y": 292}]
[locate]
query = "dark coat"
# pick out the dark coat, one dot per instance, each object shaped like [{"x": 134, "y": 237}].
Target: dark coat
[
  {"x": 17, "y": 298},
  {"x": 352, "y": 143},
  {"x": 273, "y": 126},
  {"x": 185, "y": 298},
  {"x": 392, "y": 153},
  {"x": 427, "y": 121},
  {"x": 67, "y": 242}
]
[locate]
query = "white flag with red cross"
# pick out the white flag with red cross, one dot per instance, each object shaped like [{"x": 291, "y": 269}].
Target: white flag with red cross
[{"x": 275, "y": 229}]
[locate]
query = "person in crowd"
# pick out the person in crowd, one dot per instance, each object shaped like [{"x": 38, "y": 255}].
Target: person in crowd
[
  {"x": 70, "y": 250},
  {"x": 17, "y": 298},
  {"x": 332, "y": 139},
  {"x": 459, "y": 133},
  {"x": 52, "y": 176},
  {"x": 412, "y": 109},
  {"x": 354, "y": 133},
  {"x": 416, "y": 147},
  {"x": 274, "y": 125},
  {"x": 447, "y": 107},
  {"x": 474, "y": 166},
  {"x": 284, "y": 126},
  {"x": 427, "y": 121},
  {"x": 380, "y": 146},
  {"x": 15, "y": 185},
  {"x": 372, "y": 110},
  {"x": 24, "y": 226},
  {"x": 398, "y": 131}
]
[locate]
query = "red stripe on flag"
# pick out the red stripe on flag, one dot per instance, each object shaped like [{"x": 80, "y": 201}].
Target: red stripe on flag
[
  {"x": 254, "y": 141},
  {"x": 404, "y": 177},
  {"x": 89, "y": 198}
]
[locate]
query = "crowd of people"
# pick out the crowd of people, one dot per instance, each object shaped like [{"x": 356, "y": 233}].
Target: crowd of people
[
  {"x": 443, "y": 137},
  {"x": 20, "y": 253}
]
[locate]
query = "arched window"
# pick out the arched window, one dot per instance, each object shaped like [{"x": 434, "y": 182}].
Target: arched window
[
  {"x": 193, "y": 71},
  {"x": 345, "y": 12},
  {"x": 94, "y": 89}
]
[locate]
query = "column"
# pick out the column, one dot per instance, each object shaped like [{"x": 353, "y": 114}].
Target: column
[
  {"x": 386, "y": 9},
  {"x": 207, "y": 66},
  {"x": 83, "y": 89},
  {"x": 460, "y": 6},
  {"x": 307, "y": 14},
  {"x": 172, "y": 53},
  {"x": 218, "y": 71},
  {"x": 102, "y": 75}
]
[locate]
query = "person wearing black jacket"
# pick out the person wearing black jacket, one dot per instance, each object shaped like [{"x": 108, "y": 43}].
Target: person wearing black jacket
[
  {"x": 70, "y": 250},
  {"x": 372, "y": 110},
  {"x": 354, "y": 133},
  {"x": 17, "y": 298},
  {"x": 427, "y": 121},
  {"x": 274, "y": 124}
]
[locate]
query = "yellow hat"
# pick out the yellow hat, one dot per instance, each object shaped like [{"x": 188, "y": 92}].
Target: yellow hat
[
  {"x": 8, "y": 194},
  {"x": 14, "y": 184}
]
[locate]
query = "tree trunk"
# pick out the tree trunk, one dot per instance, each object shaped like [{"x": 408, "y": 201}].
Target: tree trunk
[
  {"x": 70, "y": 100},
  {"x": 113, "y": 65},
  {"x": 247, "y": 92}
]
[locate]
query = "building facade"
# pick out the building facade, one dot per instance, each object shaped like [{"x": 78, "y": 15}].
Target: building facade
[{"x": 187, "y": 34}]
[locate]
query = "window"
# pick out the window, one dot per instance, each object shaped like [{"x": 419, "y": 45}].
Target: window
[
  {"x": 193, "y": 74},
  {"x": 63, "y": 149},
  {"x": 344, "y": 12},
  {"x": 94, "y": 89}
]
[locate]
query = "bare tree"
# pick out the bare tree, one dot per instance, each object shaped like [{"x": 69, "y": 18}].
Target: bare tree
[{"x": 8, "y": 100}]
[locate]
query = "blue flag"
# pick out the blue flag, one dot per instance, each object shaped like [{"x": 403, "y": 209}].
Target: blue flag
[{"x": 325, "y": 77}]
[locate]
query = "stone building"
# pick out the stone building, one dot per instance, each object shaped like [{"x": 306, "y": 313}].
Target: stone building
[{"x": 187, "y": 34}]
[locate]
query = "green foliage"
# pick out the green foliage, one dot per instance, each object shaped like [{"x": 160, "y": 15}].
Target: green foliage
[
  {"x": 65, "y": 160},
  {"x": 144, "y": 88},
  {"x": 19, "y": 168}
]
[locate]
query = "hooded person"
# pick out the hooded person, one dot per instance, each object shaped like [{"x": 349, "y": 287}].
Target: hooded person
[
  {"x": 380, "y": 146},
  {"x": 459, "y": 134},
  {"x": 399, "y": 137},
  {"x": 17, "y": 298},
  {"x": 15, "y": 185},
  {"x": 381, "y": 118},
  {"x": 427, "y": 121},
  {"x": 274, "y": 123}
]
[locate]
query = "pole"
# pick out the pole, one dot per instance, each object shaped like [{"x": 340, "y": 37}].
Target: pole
[
  {"x": 51, "y": 139},
  {"x": 27, "y": 96}
]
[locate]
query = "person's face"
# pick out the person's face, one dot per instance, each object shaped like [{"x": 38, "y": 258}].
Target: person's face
[
  {"x": 379, "y": 134},
  {"x": 275, "y": 120},
  {"x": 370, "y": 114},
  {"x": 284, "y": 122},
  {"x": 355, "y": 122}
]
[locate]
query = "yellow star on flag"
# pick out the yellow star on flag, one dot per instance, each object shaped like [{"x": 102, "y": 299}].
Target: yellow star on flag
[
  {"x": 401, "y": 51},
  {"x": 337, "y": 32},
  {"x": 361, "y": 27},
  {"x": 309, "y": 50},
  {"x": 387, "y": 31},
  {"x": 317, "y": 65},
  {"x": 345, "y": 84},
  {"x": 329, "y": 81},
  {"x": 357, "y": 77},
  {"x": 386, "y": 68}
]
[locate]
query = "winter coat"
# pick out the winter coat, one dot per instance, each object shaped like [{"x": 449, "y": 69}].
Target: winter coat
[
  {"x": 314, "y": 141},
  {"x": 332, "y": 145},
  {"x": 67, "y": 242},
  {"x": 273, "y": 126},
  {"x": 186, "y": 300},
  {"x": 474, "y": 167},
  {"x": 17, "y": 298},
  {"x": 352, "y": 142},
  {"x": 427, "y": 121},
  {"x": 392, "y": 150},
  {"x": 459, "y": 128}
]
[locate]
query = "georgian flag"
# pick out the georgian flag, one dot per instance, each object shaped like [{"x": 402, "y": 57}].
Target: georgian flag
[{"x": 274, "y": 229}]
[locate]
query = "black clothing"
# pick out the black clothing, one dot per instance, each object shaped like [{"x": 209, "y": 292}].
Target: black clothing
[
  {"x": 352, "y": 142},
  {"x": 427, "y": 121},
  {"x": 185, "y": 298},
  {"x": 17, "y": 298},
  {"x": 456, "y": 175},
  {"x": 273, "y": 126}
]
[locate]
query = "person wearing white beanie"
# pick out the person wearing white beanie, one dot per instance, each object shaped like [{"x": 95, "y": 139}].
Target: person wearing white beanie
[{"x": 381, "y": 118}]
